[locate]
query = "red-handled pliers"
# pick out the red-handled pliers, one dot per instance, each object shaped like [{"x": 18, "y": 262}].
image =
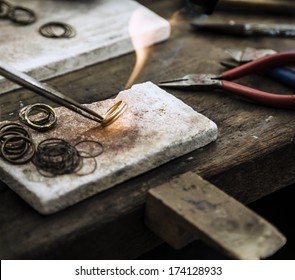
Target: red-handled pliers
[{"x": 223, "y": 81}]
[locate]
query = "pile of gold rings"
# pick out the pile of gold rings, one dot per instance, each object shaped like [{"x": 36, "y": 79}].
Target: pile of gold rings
[
  {"x": 55, "y": 156},
  {"x": 114, "y": 113},
  {"x": 39, "y": 116},
  {"x": 16, "y": 143},
  {"x": 18, "y": 14},
  {"x": 56, "y": 29}
]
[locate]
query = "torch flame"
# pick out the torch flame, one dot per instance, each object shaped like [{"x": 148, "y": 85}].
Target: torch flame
[
  {"x": 142, "y": 37},
  {"x": 138, "y": 22},
  {"x": 141, "y": 55}
]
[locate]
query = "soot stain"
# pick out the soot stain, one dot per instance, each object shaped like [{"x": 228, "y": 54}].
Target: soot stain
[{"x": 115, "y": 138}]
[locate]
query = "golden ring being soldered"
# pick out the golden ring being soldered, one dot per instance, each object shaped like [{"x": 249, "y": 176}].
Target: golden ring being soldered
[
  {"x": 114, "y": 113},
  {"x": 40, "y": 123}
]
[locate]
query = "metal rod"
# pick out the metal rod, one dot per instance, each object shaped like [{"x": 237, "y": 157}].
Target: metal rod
[
  {"x": 274, "y": 6},
  {"x": 44, "y": 90}
]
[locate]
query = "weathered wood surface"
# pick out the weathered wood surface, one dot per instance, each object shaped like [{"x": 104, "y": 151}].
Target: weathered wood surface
[
  {"x": 189, "y": 205},
  {"x": 253, "y": 156}
]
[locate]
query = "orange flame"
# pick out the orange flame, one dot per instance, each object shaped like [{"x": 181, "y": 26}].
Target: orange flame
[
  {"x": 141, "y": 55},
  {"x": 136, "y": 24},
  {"x": 141, "y": 38}
]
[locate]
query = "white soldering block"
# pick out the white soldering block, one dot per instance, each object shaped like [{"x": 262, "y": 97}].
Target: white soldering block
[{"x": 156, "y": 128}]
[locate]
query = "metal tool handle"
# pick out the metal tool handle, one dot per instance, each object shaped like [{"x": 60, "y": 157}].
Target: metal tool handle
[
  {"x": 265, "y": 98},
  {"x": 284, "y": 30},
  {"x": 264, "y": 6},
  {"x": 284, "y": 75},
  {"x": 264, "y": 63}
]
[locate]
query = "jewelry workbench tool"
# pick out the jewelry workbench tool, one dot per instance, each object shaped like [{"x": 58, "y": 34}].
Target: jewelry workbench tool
[
  {"x": 246, "y": 29},
  {"x": 285, "y": 7},
  {"x": 44, "y": 90},
  {"x": 208, "y": 82},
  {"x": 238, "y": 57}
]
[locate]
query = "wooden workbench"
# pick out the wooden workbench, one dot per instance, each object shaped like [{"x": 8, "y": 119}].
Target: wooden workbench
[{"x": 253, "y": 156}]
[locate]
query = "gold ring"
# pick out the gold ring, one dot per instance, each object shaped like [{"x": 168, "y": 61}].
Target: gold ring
[
  {"x": 23, "y": 154},
  {"x": 114, "y": 113},
  {"x": 42, "y": 123},
  {"x": 5, "y": 7},
  {"x": 56, "y": 29}
]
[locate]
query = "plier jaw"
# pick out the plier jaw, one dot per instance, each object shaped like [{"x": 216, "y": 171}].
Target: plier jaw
[
  {"x": 202, "y": 82},
  {"x": 248, "y": 54},
  {"x": 224, "y": 81}
]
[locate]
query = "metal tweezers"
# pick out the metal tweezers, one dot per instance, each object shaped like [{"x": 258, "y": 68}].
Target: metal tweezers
[{"x": 44, "y": 90}]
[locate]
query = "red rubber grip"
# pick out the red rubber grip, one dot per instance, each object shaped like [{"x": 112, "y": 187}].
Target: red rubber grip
[
  {"x": 265, "y": 98},
  {"x": 264, "y": 63}
]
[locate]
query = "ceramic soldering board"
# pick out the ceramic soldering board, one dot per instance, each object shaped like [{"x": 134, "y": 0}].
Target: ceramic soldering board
[
  {"x": 105, "y": 29},
  {"x": 156, "y": 128}
]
